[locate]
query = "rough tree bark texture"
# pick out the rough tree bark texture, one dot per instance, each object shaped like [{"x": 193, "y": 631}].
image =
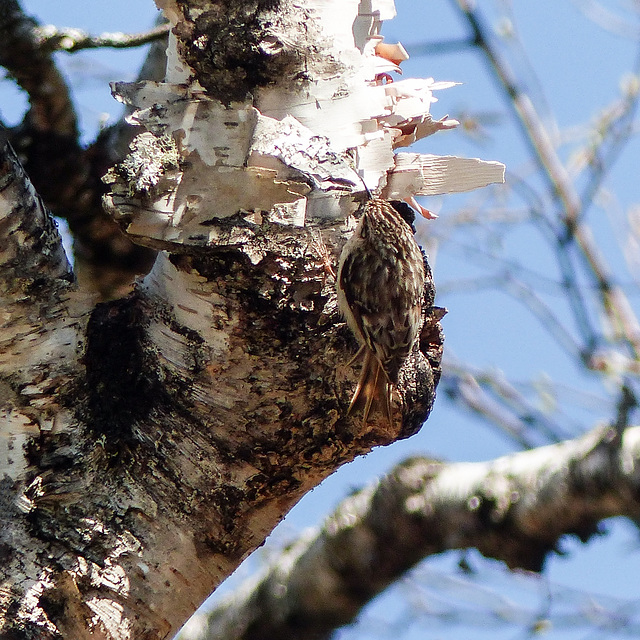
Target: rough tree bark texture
[
  {"x": 150, "y": 443},
  {"x": 514, "y": 509},
  {"x": 65, "y": 175}
]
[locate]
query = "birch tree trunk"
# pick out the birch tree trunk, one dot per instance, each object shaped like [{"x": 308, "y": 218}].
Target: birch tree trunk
[{"x": 151, "y": 442}]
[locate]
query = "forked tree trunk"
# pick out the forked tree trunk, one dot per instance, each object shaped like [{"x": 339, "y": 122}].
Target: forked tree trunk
[{"x": 149, "y": 444}]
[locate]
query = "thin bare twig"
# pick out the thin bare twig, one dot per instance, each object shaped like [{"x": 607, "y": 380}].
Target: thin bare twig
[
  {"x": 569, "y": 277},
  {"x": 496, "y": 400},
  {"x": 606, "y": 19},
  {"x": 545, "y": 315},
  {"x": 438, "y": 47},
  {"x": 627, "y": 403},
  {"x": 507, "y": 281},
  {"x": 70, "y": 40},
  {"x": 614, "y": 302}
]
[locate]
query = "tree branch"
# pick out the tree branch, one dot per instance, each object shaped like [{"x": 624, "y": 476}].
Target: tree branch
[
  {"x": 41, "y": 328},
  {"x": 70, "y": 40},
  {"x": 66, "y": 176},
  {"x": 514, "y": 509},
  {"x": 614, "y": 302},
  {"x": 36, "y": 252},
  {"x": 493, "y": 399},
  {"x": 33, "y": 68}
]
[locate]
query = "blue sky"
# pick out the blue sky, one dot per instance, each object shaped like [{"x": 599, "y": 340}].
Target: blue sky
[{"x": 579, "y": 67}]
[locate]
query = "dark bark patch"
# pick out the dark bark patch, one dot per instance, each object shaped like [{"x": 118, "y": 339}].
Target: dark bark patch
[
  {"x": 231, "y": 47},
  {"x": 123, "y": 382}
]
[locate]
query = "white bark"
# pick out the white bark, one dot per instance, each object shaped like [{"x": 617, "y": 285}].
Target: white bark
[
  {"x": 514, "y": 509},
  {"x": 42, "y": 324},
  {"x": 152, "y": 442}
]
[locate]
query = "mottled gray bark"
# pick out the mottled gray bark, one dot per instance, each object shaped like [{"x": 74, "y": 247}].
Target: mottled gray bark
[
  {"x": 148, "y": 444},
  {"x": 66, "y": 175},
  {"x": 144, "y": 465},
  {"x": 514, "y": 509}
]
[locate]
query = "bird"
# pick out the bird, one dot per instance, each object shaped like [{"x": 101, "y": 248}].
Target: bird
[{"x": 380, "y": 290}]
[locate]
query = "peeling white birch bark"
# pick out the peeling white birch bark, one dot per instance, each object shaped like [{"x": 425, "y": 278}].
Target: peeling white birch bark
[
  {"x": 198, "y": 373},
  {"x": 304, "y": 148},
  {"x": 429, "y": 175}
]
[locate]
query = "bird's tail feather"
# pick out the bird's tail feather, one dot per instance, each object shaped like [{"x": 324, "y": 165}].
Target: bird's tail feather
[{"x": 374, "y": 389}]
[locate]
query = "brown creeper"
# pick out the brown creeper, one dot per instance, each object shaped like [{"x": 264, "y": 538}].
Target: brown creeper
[{"x": 380, "y": 290}]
